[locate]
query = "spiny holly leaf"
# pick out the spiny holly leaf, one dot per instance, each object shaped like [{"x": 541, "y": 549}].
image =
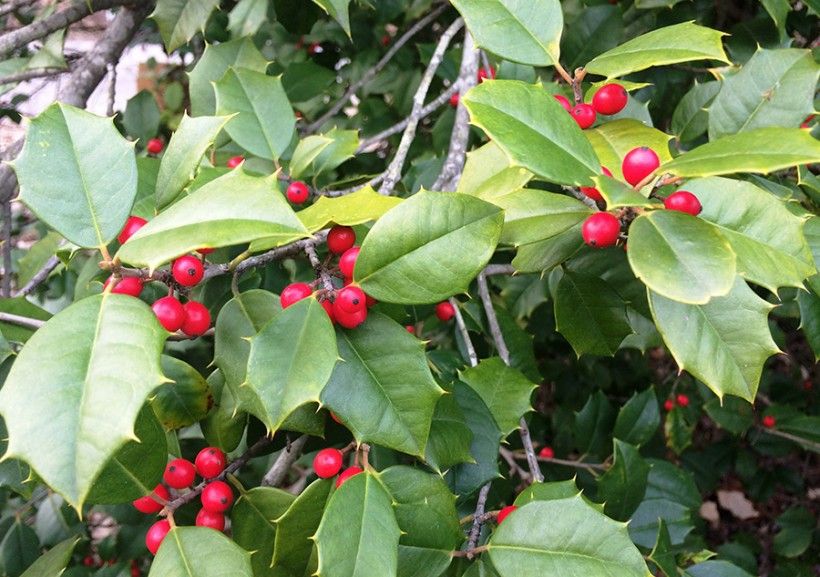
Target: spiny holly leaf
[
  {"x": 253, "y": 524},
  {"x": 338, "y": 10},
  {"x": 543, "y": 255},
  {"x": 351, "y": 209},
  {"x": 623, "y": 485},
  {"x": 525, "y": 32},
  {"x": 358, "y": 535},
  {"x": 233, "y": 209},
  {"x": 662, "y": 554},
  {"x": 189, "y": 551},
  {"x": 489, "y": 173},
  {"x": 593, "y": 31},
  {"x": 691, "y": 118},
  {"x": 383, "y": 389},
  {"x": 323, "y": 152},
  {"x": 618, "y": 194},
  {"x": 527, "y": 123},
  {"x": 428, "y": 248},
  {"x": 65, "y": 174},
  {"x": 179, "y": 20},
  {"x": 505, "y": 391},
  {"x": 715, "y": 568},
  {"x": 19, "y": 548},
  {"x": 290, "y": 361},
  {"x": 639, "y": 419},
  {"x": 578, "y": 540},
  {"x": 613, "y": 140},
  {"x": 669, "y": 45},
  {"x": 450, "y": 437},
  {"x": 681, "y": 256},
  {"x": 97, "y": 358},
  {"x": 224, "y": 426},
  {"x": 593, "y": 425},
  {"x": 183, "y": 401},
  {"x": 774, "y": 88},
  {"x": 296, "y": 527},
  {"x": 53, "y": 563},
  {"x": 724, "y": 342},
  {"x": 547, "y": 492},
  {"x": 532, "y": 215}
]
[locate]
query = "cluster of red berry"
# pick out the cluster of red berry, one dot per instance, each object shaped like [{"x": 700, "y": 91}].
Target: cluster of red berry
[
  {"x": 608, "y": 100},
  {"x": 216, "y": 496},
  {"x": 680, "y": 400},
  {"x": 328, "y": 462}
]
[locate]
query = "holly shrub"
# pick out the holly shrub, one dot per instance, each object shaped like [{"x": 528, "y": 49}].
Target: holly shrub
[{"x": 414, "y": 288}]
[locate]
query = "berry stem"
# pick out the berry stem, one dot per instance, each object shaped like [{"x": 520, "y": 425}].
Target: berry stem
[
  {"x": 321, "y": 271},
  {"x": 577, "y": 88}
]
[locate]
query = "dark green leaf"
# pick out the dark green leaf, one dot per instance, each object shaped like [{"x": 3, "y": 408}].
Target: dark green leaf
[
  {"x": 179, "y": 20},
  {"x": 623, "y": 485},
  {"x": 253, "y": 525},
  {"x": 504, "y": 390},
  {"x": 199, "y": 551},
  {"x": 141, "y": 117},
  {"x": 450, "y": 437},
  {"x": 184, "y": 400},
  {"x": 53, "y": 563},
  {"x": 296, "y": 527},
  {"x": 639, "y": 419}
]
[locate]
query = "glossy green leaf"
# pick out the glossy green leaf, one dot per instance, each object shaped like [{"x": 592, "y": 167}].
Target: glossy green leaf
[
  {"x": 53, "y": 563},
  {"x": 290, "y": 361},
  {"x": 69, "y": 146},
  {"x": 40, "y": 252},
  {"x": 532, "y": 215},
  {"x": 774, "y": 88},
  {"x": 546, "y": 254},
  {"x": 264, "y": 122},
  {"x": 351, "y": 209},
  {"x": 247, "y": 17},
  {"x": 179, "y": 20},
  {"x": 731, "y": 413},
  {"x": 323, "y": 152},
  {"x": 489, "y": 173},
  {"x": 296, "y": 527},
  {"x": 662, "y": 553},
  {"x": 593, "y": 425},
  {"x": 253, "y": 524},
  {"x": 809, "y": 304},
  {"x": 547, "y": 491},
  {"x": 678, "y": 431},
  {"x": 14, "y": 473},
  {"x": 97, "y": 358},
  {"x": 141, "y": 116},
  {"x": 449, "y": 441},
  {"x": 724, "y": 342},
  {"x": 504, "y": 390},
  {"x": 428, "y": 248},
  {"x": 225, "y": 424},
  {"x": 525, "y": 32},
  {"x": 338, "y": 10},
  {"x": 639, "y": 419},
  {"x": 527, "y": 123},
  {"x": 233, "y": 209},
  {"x": 623, "y": 485},
  {"x": 358, "y": 535},
  {"x": 617, "y": 194},
  {"x": 681, "y": 256},
  {"x": 669, "y": 45},
  {"x": 594, "y": 31},
  {"x": 382, "y": 388},
  {"x": 715, "y": 568},
  {"x": 691, "y": 119},
  {"x": 184, "y": 400},
  {"x": 200, "y": 552},
  {"x": 613, "y": 140},
  {"x": 796, "y": 530},
  {"x": 19, "y": 548},
  {"x": 578, "y": 540}
]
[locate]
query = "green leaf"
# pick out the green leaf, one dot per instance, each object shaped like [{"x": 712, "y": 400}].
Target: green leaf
[
  {"x": 762, "y": 150},
  {"x": 593, "y": 425},
  {"x": 20, "y": 306},
  {"x": 253, "y": 524},
  {"x": 639, "y": 419},
  {"x": 796, "y": 530},
  {"x": 358, "y": 535},
  {"x": 489, "y": 173},
  {"x": 320, "y": 153},
  {"x": 264, "y": 123},
  {"x": 184, "y": 152},
  {"x": 525, "y": 32},
  {"x": 428, "y": 248},
  {"x": 779, "y": 11},
  {"x": 623, "y": 485},
  {"x": 613, "y": 140},
  {"x": 141, "y": 116},
  {"x": 774, "y": 88},
  {"x": 450, "y": 437},
  {"x": 50, "y": 54},
  {"x": 532, "y": 215},
  {"x": 296, "y": 527},
  {"x": 669, "y": 45},
  {"x": 179, "y": 20},
  {"x": 590, "y": 314},
  {"x": 85, "y": 358},
  {"x": 578, "y": 540},
  {"x": 681, "y": 256},
  {"x": 233, "y": 209},
  {"x": 548, "y": 253},
  {"x": 290, "y": 361},
  {"x": 662, "y": 554},
  {"x": 80, "y": 151},
  {"x": 349, "y": 210},
  {"x": 19, "y": 548},
  {"x": 715, "y": 569},
  {"x": 809, "y": 304},
  {"x": 547, "y": 492},
  {"x": 184, "y": 400},
  {"x": 527, "y": 123},
  {"x": 37, "y": 256},
  {"x": 53, "y": 563},
  {"x": 731, "y": 413},
  {"x": 247, "y": 17},
  {"x": 678, "y": 431},
  {"x": 617, "y": 194},
  {"x": 304, "y": 80},
  {"x": 595, "y": 30},
  {"x": 691, "y": 119},
  {"x": 505, "y": 391},
  {"x": 225, "y": 424},
  {"x": 189, "y": 551},
  {"x": 733, "y": 329},
  {"x": 338, "y": 10},
  {"x": 383, "y": 389}
]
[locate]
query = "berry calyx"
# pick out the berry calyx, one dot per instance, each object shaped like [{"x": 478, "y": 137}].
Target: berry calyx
[
  {"x": 197, "y": 319},
  {"x": 235, "y": 161},
  {"x": 683, "y": 201},
  {"x": 610, "y": 99},
  {"x": 639, "y": 163},
  {"x": 210, "y": 462},
  {"x": 483, "y": 74},
  {"x": 132, "y": 225},
  {"x": 179, "y": 474},
  {"x": 293, "y": 293},
  {"x": 769, "y": 422},
  {"x": 156, "y": 533},
  {"x": 454, "y": 100},
  {"x": 502, "y": 514},
  {"x": 346, "y": 474},
  {"x": 682, "y": 400},
  {"x": 445, "y": 311},
  {"x": 349, "y": 320},
  {"x": 563, "y": 101},
  {"x": 351, "y": 299},
  {"x": 297, "y": 192},
  {"x": 668, "y": 405},
  {"x": 154, "y": 146},
  {"x": 327, "y": 463},
  {"x": 340, "y": 238},
  {"x": 547, "y": 453},
  {"x": 601, "y": 230},
  {"x": 210, "y": 519},
  {"x": 170, "y": 313},
  {"x": 148, "y": 504},
  {"x": 347, "y": 261},
  {"x": 593, "y": 192},
  {"x": 584, "y": 115},
  {"x": 187, "y": 270},
  {"x": 129, "y": 285},
  {"x": 216, "y": 497}
]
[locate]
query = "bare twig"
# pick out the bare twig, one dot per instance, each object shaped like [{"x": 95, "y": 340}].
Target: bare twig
[
  {"x": 498, "y": 269},
  {"x": 21, "y": 321},
  {"x": 288, "y": 250},
  {"x": 591, "y": 467},
  {"x": 514, "y": 467},
  {"x": 112, "y": 88},
  {"x": 284, "y": 462},
  {"x": 470, "y": 553},
  {"x": 582, "y": 197},
  {"x": 11, "y": 5},
  {"x": 41, "y": 275},
  {"x": 465, "y": 336},
  {"x": 799, "y": 440},
  {"x": 32, "y": 74},
  {"x": 6, "y": 240},
  {"x": 475, "y": 530},
  {"x": 321, "y": 272}
]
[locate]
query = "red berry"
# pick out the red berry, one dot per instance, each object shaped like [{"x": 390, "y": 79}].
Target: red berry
[
  {"x": 188, "y": 270},
  {"x": 584, "y": 115},
  {"x": 179, "y": 474},
  {"x": 170, "y": 313},
  {"x": 349, "y": 320},
  {"x": 216, "y": 497},
  {"x": 293, "y": 293},
  {"x": 328, "y": 306},
  {"x": 297, "y": 192},
  {"x": 410, "y": 329},
  {"x": 502, "y": 514},
  {"x": 547, "y": 453},
  {"x": 155, "y": 535},
  {"x": 210, "y": 462},
  {"x": 563, "y": 101},
  {"x": 445, "y": 311},
  {"x": 370, "y": 301},
  {"x": 454, "y": 99},
  {"x": 154, "y": 146},
  {"x": 682, "y": 400},
  {"x": 235, "y": 161},
  {"x": 351, "y": 299},
  {"x": 340, "y": 238},
  {"x": 386, "y": 40},
  {"x": 639, "y": 163},
  {"x": 210, "y": 519},
  {"x": 129, "y": 285},
  {"x": 593, "y": 192},
  {"x": 610, "y": 99},
  {"x": 327, "y": 463},
  {"x": 89, "y": 561},
  {"x": 668, "y": 405},
  {"x": 807, "y": 385},
  {"x": 683, "y": 201},
  {"x": 148, "y": 505},
  {"x": 769, "y": 422},
  {"x": 601, "y": 230},
  {"x": 197, "y": 319},
  {"x": 346, "y": 474},
  {"x": 132, "y": 225},
  {"x": 483, "y": 74},
  {"x": 335, "y": 417},
  {"x": 204, "y": 251},
  {"x": 348, "y": 261}
]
